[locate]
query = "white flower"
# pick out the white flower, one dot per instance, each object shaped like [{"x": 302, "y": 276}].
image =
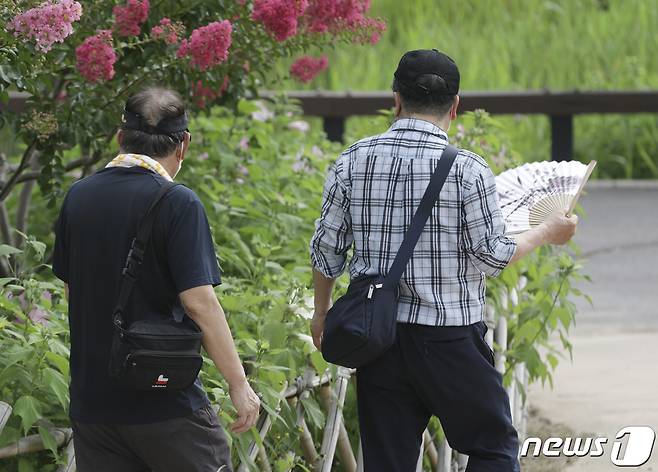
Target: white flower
[
  {"x": 263, "y": 113},
  {"x": 299, "y": 125}
]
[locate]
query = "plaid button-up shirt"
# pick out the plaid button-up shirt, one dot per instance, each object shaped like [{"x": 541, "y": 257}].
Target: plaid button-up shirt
[{"x": 370, "y": 196}]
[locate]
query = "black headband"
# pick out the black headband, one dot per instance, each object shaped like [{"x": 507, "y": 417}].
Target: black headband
[{"x": 166, "y": 126}]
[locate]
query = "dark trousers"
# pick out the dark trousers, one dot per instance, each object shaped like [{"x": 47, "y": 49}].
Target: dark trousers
[
  {"x": 193, "y": 443},
  {"x": 447, "y": 372}
]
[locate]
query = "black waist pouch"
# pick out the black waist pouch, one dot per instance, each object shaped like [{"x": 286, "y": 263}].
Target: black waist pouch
[
  {"x": 164, "y": 355},
  {"x": 151, "y": 354}
]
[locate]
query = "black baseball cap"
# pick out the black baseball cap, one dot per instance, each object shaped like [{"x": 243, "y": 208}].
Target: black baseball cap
[{"x": 421, "y": 62}]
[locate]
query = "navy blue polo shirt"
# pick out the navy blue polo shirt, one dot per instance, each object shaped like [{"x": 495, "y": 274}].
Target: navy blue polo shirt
[{"x": 98, "y": 220}]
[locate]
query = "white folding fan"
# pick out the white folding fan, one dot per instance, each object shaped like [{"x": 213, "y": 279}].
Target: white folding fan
[{"x": 531, "y": 192}]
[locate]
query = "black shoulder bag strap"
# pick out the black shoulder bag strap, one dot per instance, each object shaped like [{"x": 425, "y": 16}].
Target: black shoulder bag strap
[
  {"x": 419, "y": 219},
  {"x": 138, "y": 246}
]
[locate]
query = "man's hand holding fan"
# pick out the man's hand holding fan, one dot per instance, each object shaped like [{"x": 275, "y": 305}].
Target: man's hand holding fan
[
  {"x": 538, "y": 199},
  {"x": 531, "y": 192}
]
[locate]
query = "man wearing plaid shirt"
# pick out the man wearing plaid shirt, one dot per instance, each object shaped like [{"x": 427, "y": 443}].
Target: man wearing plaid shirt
[{"x": 440, "y": 363}]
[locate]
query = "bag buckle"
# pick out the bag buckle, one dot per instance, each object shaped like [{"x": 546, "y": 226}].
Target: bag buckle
[
  {"x": 135, "y": 257},
  {"x": 372, "y": 288}
]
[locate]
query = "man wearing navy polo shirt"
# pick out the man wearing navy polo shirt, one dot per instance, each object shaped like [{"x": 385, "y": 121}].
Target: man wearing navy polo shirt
[{"x": 117, "y": 429}]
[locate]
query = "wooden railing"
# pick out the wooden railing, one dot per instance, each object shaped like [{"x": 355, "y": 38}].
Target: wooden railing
[
  {"x": 335, "y": 107},
  {"x": 335, "y": 441}
]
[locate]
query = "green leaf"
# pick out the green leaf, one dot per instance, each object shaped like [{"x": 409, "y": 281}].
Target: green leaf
[
  {"x": 48, "y": 440},
  {"x": 6, "y": 250},
  {"x": 313, "y": 411},
  {"x": 5, "y": 280},
  {"x": 29, "y": 410},
  {"x": 276, "y": 333},
  {"x": 318, "y": 362},
  {"x": 59, "y": 361},
  {"x": 56, "y": 383}
]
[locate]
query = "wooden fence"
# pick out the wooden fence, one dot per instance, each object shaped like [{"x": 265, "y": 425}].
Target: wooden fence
[
  {"x": 335, "y": 107},
  {"x": 335, "y": 441}
]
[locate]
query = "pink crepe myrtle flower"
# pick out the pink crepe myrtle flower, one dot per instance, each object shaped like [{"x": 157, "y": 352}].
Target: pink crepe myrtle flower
[
  {"x": 208, "y": 45},
  {"x": 204, "y": 95},
  {"x": 95, "y": 57},
  {"x": 306, "y": 68},
  {"x": 167, "y": 30},
  {"x": 336, "y": 16},
  {"x": 279, "y": 17},
  {"x": 129, "y": 17},
  {"x": 49, "y": 23}
]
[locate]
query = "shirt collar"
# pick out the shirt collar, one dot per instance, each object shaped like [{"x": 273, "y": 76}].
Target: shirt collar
[{"x": 415, "y": 124}]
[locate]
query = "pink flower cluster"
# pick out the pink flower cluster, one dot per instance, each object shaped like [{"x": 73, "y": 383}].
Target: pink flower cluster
[
  {"x": 306, "y": 68},
  {"x": 47, "y": 24},
  {"x": 283, "y": 18},
  {"x": 129, "y": 17},
  {"x": 335, "y": 16},
  {"x": 279, "y": 17},
  {"x": 167, "y": 31},
  {"x": 208, "y": 46},
  {"x": 95, "y": 57},
  {"x": 204, "y": 95}
]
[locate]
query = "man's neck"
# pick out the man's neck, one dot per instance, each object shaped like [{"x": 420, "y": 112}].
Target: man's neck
[
  {"x": 170, "y": 164},
  {"x": 441, "y": 122}
]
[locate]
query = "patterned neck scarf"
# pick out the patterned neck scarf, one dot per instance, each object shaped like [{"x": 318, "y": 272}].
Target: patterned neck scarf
[{"x": 132, "y": 160}]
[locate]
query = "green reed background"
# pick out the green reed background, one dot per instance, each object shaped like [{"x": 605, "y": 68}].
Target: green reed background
[{"x": 525, "y": 45}]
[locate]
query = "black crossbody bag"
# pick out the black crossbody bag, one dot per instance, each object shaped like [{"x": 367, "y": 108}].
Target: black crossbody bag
[
  {"x": 151, "y": 354},
  {"x": 360, "y": 325}
]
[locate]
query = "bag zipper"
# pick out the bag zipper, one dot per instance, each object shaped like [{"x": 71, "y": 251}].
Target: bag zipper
[
  {"x": 160, "y": 354},
  {"x": 372, "y": 289}
]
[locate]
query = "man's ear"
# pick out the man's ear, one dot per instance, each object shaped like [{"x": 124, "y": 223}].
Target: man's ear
[
  {"x": 182, "y": 149},
  {"x": 398, "y": 104},
  {"x": 453, "y": 108},
  {"x": 120, "y": 137}
]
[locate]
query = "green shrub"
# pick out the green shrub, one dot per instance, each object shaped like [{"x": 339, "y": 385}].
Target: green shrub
[{"x": 261, "y": 183}]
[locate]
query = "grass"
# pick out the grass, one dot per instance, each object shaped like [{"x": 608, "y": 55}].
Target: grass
[{"x": 528, "y": 44}]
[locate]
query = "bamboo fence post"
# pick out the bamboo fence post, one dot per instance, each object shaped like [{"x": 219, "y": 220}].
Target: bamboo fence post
[
  {"x": 430, "y": 449},
  {"x": 263, "y": 426},
  {"x": 305, "y": 438},
  {"x": 263, "y": 460},
  {"x": 334, "y": 418},
  {"x": 359, "y": 458},
  {"x": 490, "y": 320},
  {"x": 500, "y": 336},
  {"x": 34, "y": 443},
  {"x": 419, "y": 464},
  {"x": 445, "y": 456},
  {"x": 345, "y": 452},
  {"x": 70, "y": 458},
  {"x": 462, "y": 462},
  {"x": 5, "y": 413}
]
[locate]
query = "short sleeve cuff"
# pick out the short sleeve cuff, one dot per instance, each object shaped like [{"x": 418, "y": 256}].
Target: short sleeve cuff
[{"x": 213, "y": 280}]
